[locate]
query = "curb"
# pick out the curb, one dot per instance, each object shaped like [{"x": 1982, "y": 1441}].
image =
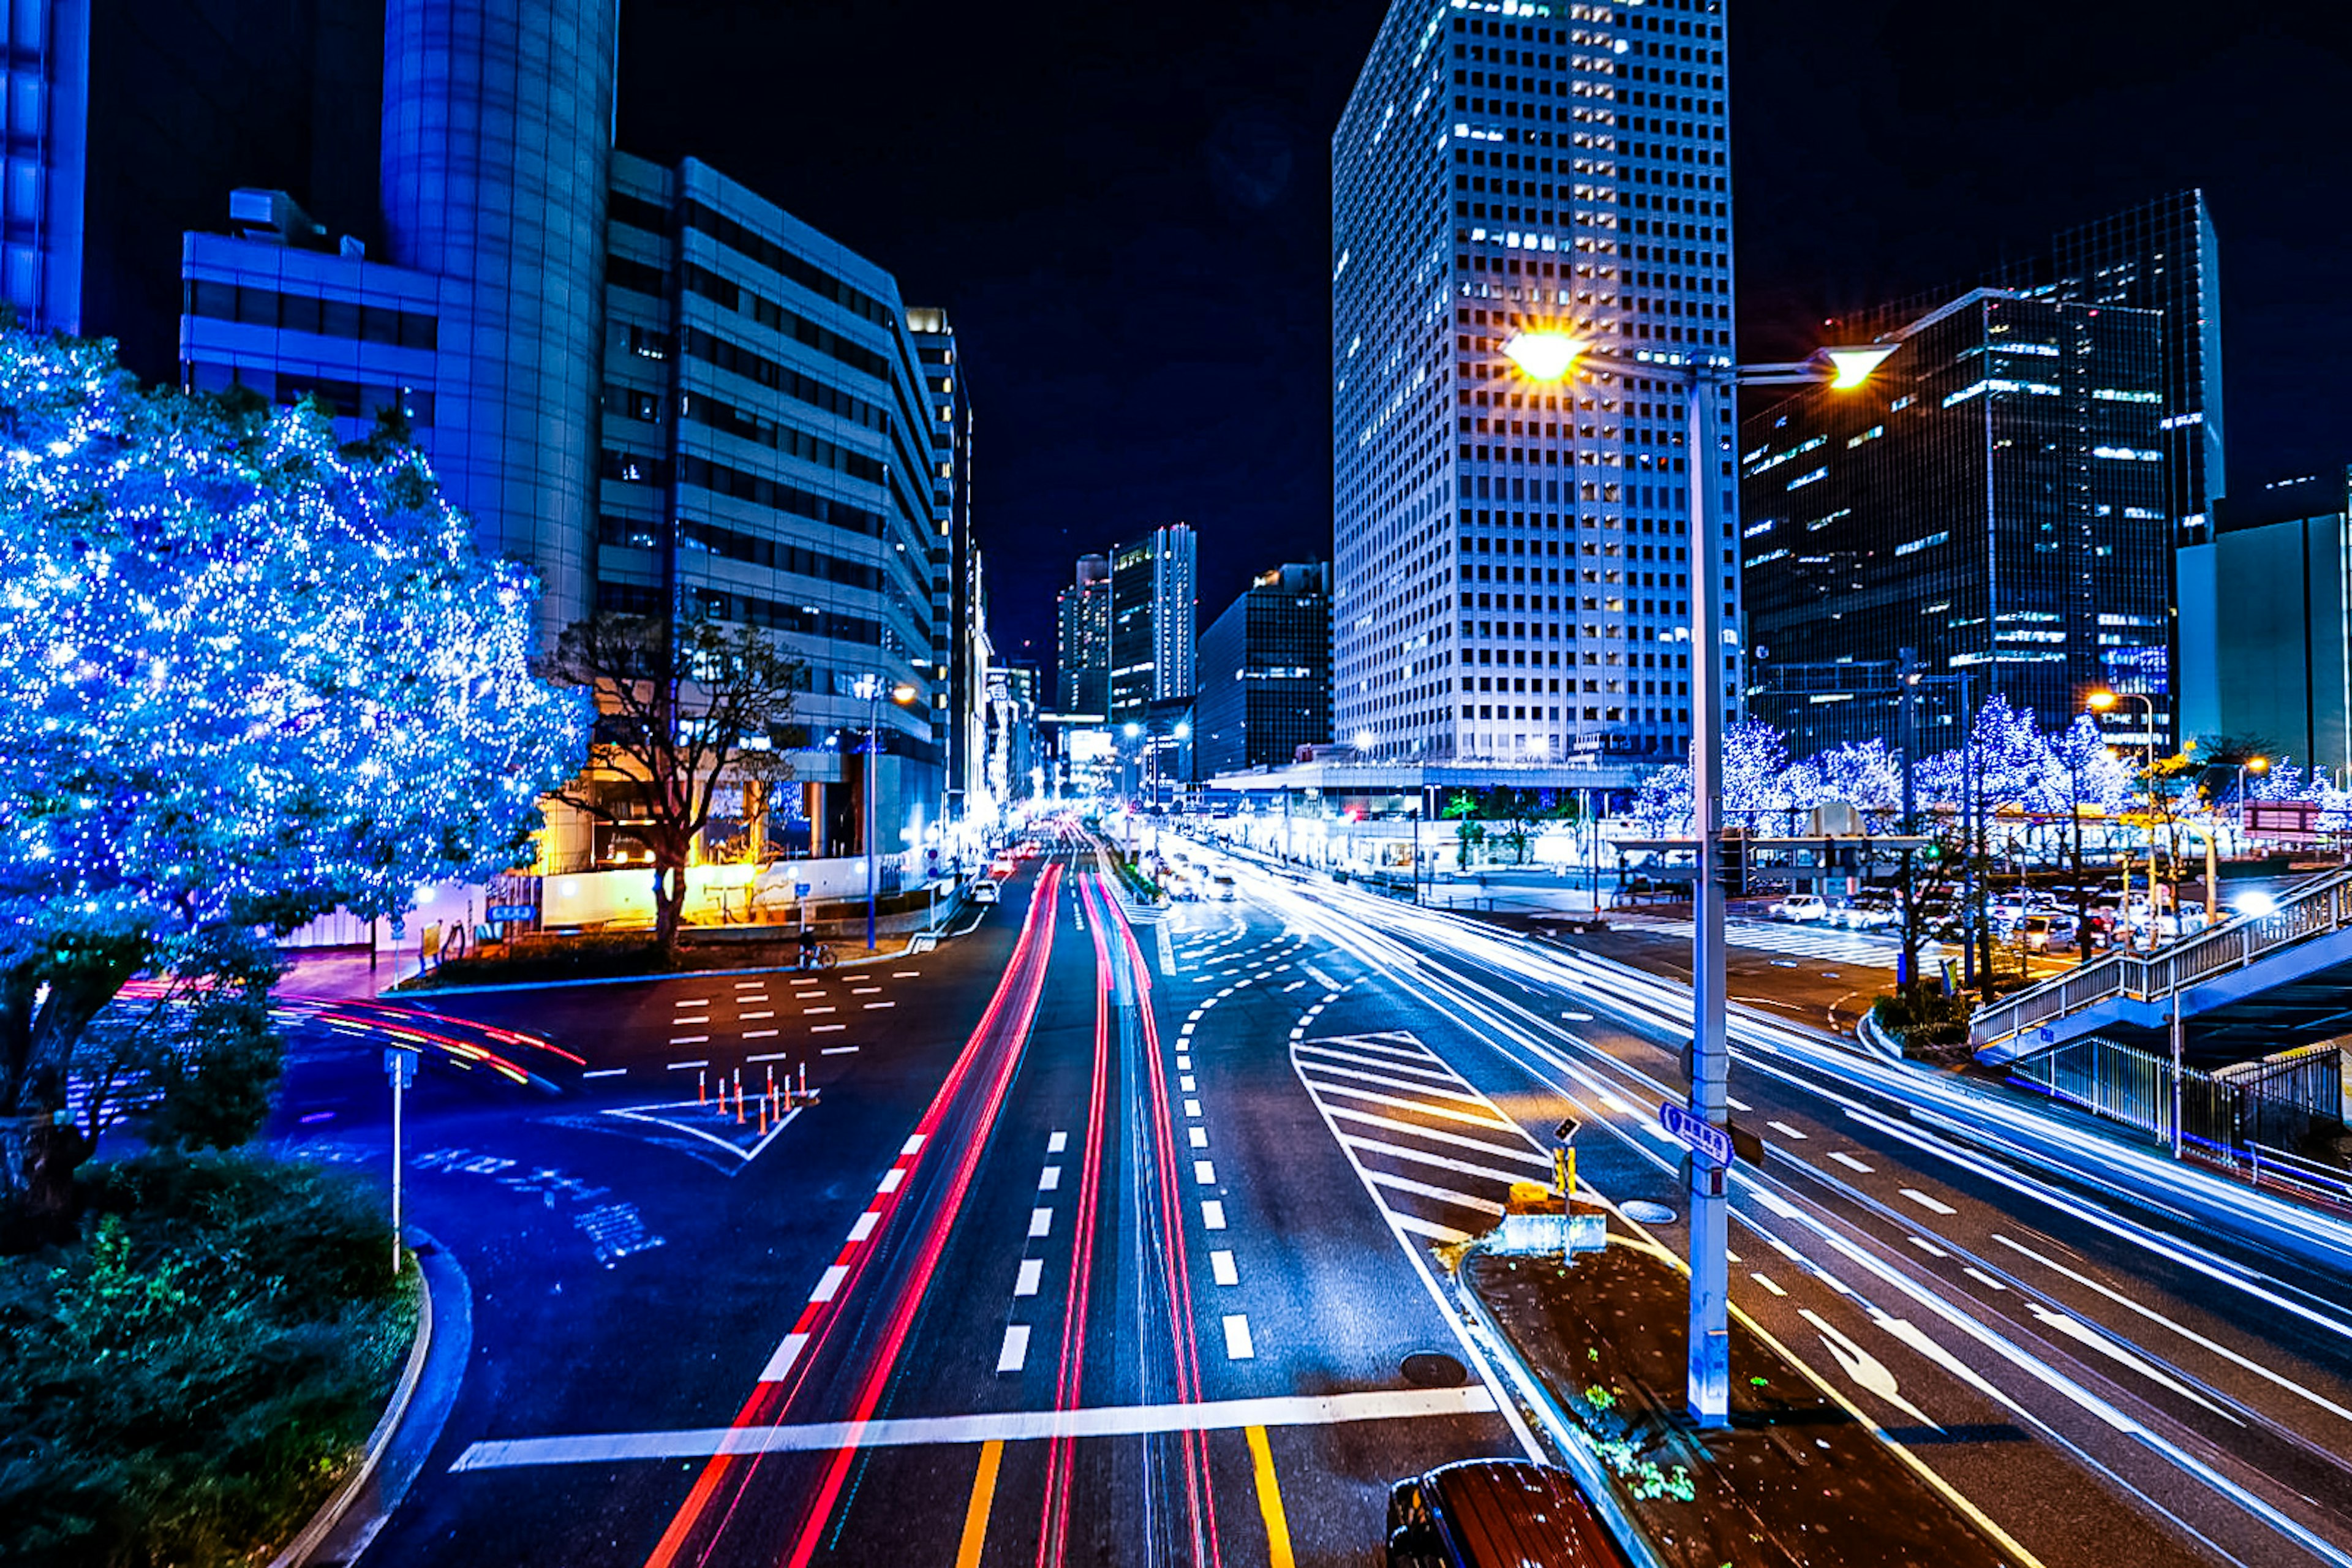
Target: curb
[
  {"x": 331, "y": 1513},
  {"x": 396, "y": 994}
]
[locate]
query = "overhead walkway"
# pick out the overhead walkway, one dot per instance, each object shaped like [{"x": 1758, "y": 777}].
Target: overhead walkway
[{"x": 2252, "y": 988}]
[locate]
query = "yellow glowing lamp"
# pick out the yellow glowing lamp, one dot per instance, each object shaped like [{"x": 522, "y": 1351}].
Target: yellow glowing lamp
[
  {"x": 904, "y": 692},
  {"x": 1851, "y": 367},
  {"x": 2258, "y": 765},
  {"x": 1544, "y": 356},
  {"x": 2100, "y": 701}
]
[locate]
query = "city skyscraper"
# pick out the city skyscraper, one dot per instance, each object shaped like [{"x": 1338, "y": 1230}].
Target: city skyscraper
[
  {"x": 960, "y": 697},
  {"x": 2159, "y": 256},
  {"x": 1993, "y": 499},
  {"x": 1154, "y": 603},
  {"x": 1512, "y": 560},
  {"x": 1265, "y": 673},
  {"x": 1082, "y": 626}
]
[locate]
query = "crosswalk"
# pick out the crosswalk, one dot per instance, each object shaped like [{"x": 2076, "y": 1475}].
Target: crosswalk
[
  {"x": 1437, "y": 1156},
  {"x": 1798, "y": 942}
]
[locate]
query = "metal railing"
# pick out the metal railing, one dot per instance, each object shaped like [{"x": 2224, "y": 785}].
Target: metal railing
[
  {"x": 2247, "y": 1119},
  {"x": 2316, "y": 908}
]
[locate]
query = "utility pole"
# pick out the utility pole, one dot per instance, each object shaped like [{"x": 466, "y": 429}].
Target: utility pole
[
  {"x": 400, "y": 1066},
  {"x": 1906, "y": 687}
]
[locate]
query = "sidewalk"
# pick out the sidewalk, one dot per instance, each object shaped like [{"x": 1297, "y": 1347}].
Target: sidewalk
[{"x": 1799, "y": 1477}]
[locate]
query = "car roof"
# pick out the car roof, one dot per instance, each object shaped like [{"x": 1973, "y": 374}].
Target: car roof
[{"x": 1509, "y": 1513}]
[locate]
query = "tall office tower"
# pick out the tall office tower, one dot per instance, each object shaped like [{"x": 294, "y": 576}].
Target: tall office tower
[
  {"x": 765, "y": 448},
  {"x": 1082, "y": 618},
  {"x": 960, "y": 713},
  {"x": 1265, "y": 673},
  {"x": 1513, "y": 567},
  {"x": 1154, "y": 602},
  {"x": 2160, "y": 256},
  {"x": 46, "y": 73},
  {"x": 1993, "y": 498},
  {"x": 497, "y": 120}
]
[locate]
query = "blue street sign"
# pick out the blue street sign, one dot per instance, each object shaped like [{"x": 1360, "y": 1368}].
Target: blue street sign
[
  {"x": 1708, "y": 1141},
  {"x": 499, "y": 914}
]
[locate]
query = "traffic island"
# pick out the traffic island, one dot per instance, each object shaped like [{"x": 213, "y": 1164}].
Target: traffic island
[{"x": 1796, "y": 1479}]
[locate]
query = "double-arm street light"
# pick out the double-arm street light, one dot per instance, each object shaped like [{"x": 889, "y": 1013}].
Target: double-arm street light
[
  {"x": 872, "y": 688},
  {"x": 1550, "y": 355}
]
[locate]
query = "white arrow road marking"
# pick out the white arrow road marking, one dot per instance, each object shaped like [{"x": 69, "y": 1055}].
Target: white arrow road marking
[
  {"x": 1865, "y": 1369},
  {"x": 1917, "y": 1337},
  {"x": 2084, "y": 1334}
]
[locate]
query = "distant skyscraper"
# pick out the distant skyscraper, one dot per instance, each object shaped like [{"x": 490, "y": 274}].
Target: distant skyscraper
[
  {"x": 957, "y": 608},
  {"x": 1265, "y": 673},
  {"x": 1993, "y": 498},
  {"x": 1513, "y": 569},
  {"x": 2160, "y": 256},
  {"x": 1154, "y": 600},
  {"x": 1082, "y": 612}
]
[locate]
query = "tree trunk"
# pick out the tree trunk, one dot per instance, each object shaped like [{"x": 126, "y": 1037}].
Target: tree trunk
[
  {"x": 38, "y": 1157},
  {"x": 669, "y": 903}
]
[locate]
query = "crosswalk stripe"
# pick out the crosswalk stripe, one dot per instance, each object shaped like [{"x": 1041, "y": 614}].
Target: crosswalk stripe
[
  {"x": 1445, "y": 1111},
  {"x": 1443, "y": 1074},
  {"x": 1438, "y": 1135},
  {"x": 1419, "y": 1157},
  {"x": 1359, "y": 1042},
  {"x": 1362, "y": 1076},
  {"x": 1443, "y": 1195},
  {"x": 1414, "y": 1225}
]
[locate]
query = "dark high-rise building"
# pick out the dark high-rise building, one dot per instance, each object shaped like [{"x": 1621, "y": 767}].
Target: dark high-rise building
[
  {"x": 960, "y": 698},
  {"x": 2160, "y": 256},
  {"x": 1082, "y": 614},
  {"x": 1512, "y": 566},
  {"x": 1265, "y": 673},
  {"x": 1154, "y": 603},
  {"x": 1992, "y": 498}
]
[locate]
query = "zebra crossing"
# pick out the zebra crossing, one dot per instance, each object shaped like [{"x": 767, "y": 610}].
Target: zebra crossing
[
  {"x": 1437, "y": 1156},
  {"x": 1798, "y": 942}
]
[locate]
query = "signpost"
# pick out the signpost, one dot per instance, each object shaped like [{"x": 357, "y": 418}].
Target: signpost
[
  {"x": 2285, "y": 821},
  {"x": 507, "y": 914},
  {"x": 1711, "y": 1143},
  {"x": 400, "y": 1066}
]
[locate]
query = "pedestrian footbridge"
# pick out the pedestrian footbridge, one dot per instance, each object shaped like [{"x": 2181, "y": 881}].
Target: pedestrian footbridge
[{"x": 2254, "y": 986}]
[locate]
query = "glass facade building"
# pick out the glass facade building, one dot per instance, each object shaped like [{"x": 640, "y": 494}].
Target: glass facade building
[
  {"x": 1265, "y": 673},
  {"x": 765, "y": 453},
  {"x": 1154, "y": 606},
  {"x": 960, "y": 697},
  {"x": 1993, "y": 498},
  {"x": 1513, "y": 569},
  {"x": 1082, "y": 633},
  {"x": 45, "y": 71}
]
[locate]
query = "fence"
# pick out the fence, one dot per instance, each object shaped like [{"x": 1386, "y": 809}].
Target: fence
[{"x": 2251, "y": 1116}]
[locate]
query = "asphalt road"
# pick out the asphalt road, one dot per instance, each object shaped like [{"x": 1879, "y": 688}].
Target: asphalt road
[{"x": 1107, "y": 1239}]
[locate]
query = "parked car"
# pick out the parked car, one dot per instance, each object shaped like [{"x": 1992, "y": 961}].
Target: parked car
[
  {"x": 1800, "y": 907},
  {"x": 2033, "y": 931},
  {"x": 1497, "y": 1513},
  {"x": 984, "y": 891},
  {"x": 1869, "y": 912},
  {"x": 1221, "y": 887}
]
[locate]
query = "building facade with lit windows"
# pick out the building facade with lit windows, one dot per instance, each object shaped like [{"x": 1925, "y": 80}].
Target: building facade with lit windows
[
  {"x": 766, "y": 458},
  {"x": 1154, "y": 612},
  {"x": 1265, "y": 673},
  {"x": 1993, "y": 498},
  {"x": 1082, "y": 640},
  {"x": 958, "y": 609},
  {"x": 1513, "y": 569}
]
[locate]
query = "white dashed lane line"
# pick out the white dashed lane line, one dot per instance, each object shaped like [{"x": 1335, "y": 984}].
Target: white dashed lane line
[{"x": 1016, "y": 1348}]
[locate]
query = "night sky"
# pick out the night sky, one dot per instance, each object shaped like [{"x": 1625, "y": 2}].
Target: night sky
[{"x": 1126, "y": 211}]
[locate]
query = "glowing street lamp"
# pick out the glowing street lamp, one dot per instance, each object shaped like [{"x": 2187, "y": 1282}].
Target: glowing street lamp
[
  {"x": 1546, "y": 355},
  {"x": 871, "y": 687}
]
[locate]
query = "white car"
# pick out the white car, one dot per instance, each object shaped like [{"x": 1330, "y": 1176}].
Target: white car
[
  {"x": 1221, "y": 887},
  {"x": 985, "y": 891},
  {"x": 1802, "y": 906}
]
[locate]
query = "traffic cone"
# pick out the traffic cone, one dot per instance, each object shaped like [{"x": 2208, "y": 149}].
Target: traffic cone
[{"x": 702, "y": 1088}]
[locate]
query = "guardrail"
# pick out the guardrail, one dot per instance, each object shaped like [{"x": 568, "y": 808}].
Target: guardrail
[{"x": 2315, "y": 910}]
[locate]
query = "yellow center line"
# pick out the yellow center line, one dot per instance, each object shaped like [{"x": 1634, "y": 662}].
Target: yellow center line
[
  {"x": 983, "y": 1492},
  {"x": 1270, "y": 1501}
]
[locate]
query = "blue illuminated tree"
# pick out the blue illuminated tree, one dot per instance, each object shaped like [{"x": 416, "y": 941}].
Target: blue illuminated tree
[{"x": 252, "y": 677}]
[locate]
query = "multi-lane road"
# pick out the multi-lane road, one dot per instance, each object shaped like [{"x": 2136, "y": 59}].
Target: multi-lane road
[{"x": 1105, "y": 1240}]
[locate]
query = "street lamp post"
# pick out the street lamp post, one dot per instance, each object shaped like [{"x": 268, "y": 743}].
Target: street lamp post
[
  {"x": 2101, "y": 701},
  {"x": 871, "y": 687},
  {"x": 1551, "y": 356}
]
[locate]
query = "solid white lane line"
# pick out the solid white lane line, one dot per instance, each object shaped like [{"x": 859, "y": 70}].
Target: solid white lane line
[
  {"x": 1204, "y": 1172},
  {"x": 1016, "y": 1348},
  {"x": 1931, "y": 1205},
  {"x": 1102, "y": 1421},
  {"x": 1058, "y": 1143},
  {"x": 1425, "y": 1109},
  {"x": 1621, "y": 1107},
  {"x": 1221, "y": 1268},
  {"x": 1523, "y": 1154},
  {"x": 1041, "y": 1221},
  {"x": 605, "y": 1072},
  {"x": 1419, "y": 1157},
  {"x": 1049, "y": 1179},
  {"x": 2084, "y": 1334},
  {"x": 781, "y": 1361},
  {"x": 680, "y": 1067},
  {"x": 1785, "y": 1131},
  {"x": 1032, "y": 1274},
  {"x": 1850, "y": 1162},
  {"x": 865, "y": 1225},
  {"x": 831, "y": 1282},
  {"x": 1237, "y": 1338},
  {"x": 1213, "y": 1214},
  {"x": 1443, "y": 1195}
]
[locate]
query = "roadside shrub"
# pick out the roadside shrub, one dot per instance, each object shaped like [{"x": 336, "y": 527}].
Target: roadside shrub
[
  {"x": 183, "y": 1384},
  {"x": 1928, "y": 1022}
]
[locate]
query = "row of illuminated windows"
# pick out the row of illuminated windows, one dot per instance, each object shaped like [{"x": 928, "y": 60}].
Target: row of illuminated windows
[{"x": 257, "y": 307}]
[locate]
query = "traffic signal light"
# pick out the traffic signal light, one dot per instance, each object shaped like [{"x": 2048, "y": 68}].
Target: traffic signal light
[
  {"x": 1932, "y": 854},
  {"x": 1731, "y": 862}
]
